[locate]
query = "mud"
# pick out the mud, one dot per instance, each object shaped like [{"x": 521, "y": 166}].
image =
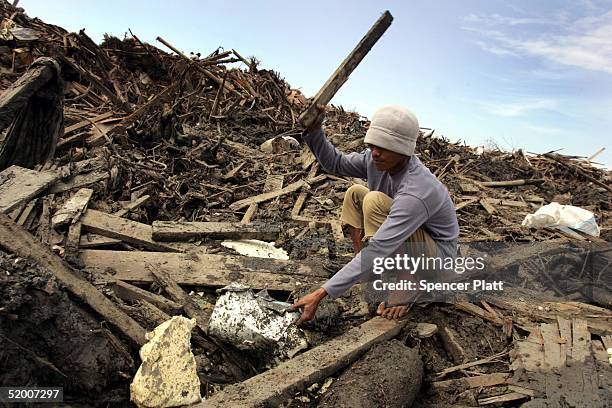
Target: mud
[
  {"x": 46, "y": 339},
  {"x": 389, "y": 375}
]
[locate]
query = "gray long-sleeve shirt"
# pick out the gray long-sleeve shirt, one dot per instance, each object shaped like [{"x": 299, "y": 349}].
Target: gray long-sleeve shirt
[{"x": 419, "y": 199}]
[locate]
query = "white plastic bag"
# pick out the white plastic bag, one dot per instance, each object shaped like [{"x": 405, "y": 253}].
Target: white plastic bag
[{"x": 560, "y": 216}]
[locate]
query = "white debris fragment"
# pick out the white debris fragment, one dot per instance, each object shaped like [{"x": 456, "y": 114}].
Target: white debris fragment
[
  {"x": 167, "y": 376},
  {"x": 256, "y": 248},
  {"x": 256, "y": 322}
]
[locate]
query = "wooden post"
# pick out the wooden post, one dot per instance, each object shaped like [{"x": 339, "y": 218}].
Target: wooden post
[{"x": 339, "y": 77}]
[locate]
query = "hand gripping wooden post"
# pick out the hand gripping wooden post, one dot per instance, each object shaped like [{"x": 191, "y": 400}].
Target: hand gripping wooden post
[{"x": 339, "y": 77}]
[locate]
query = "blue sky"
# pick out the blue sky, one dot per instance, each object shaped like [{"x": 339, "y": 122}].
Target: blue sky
[{"x": 523, "y": 74}]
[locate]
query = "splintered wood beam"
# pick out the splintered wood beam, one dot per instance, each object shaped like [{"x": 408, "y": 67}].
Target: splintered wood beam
[
  {"x": 273, "y": 387},
  {"x": 72, "y": 208},
  {"x": 339, "y": 77},
  {"x": 133, "y": 293},
  {"x": 204, "y": 269},
  {"x": 129, "y": 231},
  {"x": 20, "y": 242},
  {"x": 18, "y": 186},
  {"x": 273, "y": 194},
  {"x": 184, "y": 231},
  {"x": 191, "y": 308}
]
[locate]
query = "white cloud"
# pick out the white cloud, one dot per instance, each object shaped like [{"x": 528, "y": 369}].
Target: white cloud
[
  {"x": 585, "y": 43},
  {"x": 519, "y": 108}
]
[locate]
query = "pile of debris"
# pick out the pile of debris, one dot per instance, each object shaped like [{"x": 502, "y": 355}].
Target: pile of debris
[{"x": 132, "y": 163}]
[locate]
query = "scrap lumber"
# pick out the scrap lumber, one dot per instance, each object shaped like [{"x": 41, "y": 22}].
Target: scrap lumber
[
  {"x": 133, "y": 293},
  {"x": 452, "y": 345},
  {"x": 17, "y": 240},
  {"x": 71, "y": 248},
  {"x": 88, "y": 122},
  {"x": 96, "y": 241},
  {"x": 132, "y": 205},
  {"x": 206, "y": 72},
  {"x": 184, "y": 231},
  {"x": 18, "y": 186},
  {"x": 268, "y": 196},
  {"x": 191, "y": 308},
  {"x": 508, "y": 397},
  {"x": 78, "y": 181},
  {"x": 511, "y": 183},
  {"x": 299, "y": 203},
  {"x": 485, "y": 360},
  {"x": 339, "y": 77},
  {"x": 598, "y": 319},
  {"x": 274, "y": 386},
  {"x": 203, "y": 269},
  {"x": 72, "y": 208},
  {"x": 486, "y": 380},
  {"x": 129, "y": 231},
  {"x": 273, "y": 183}
]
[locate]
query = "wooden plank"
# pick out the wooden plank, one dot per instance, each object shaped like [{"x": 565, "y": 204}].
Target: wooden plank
[
  {"x": 337, "y": 231},
  {"x": 71, "y": 249},
  {"x": 486, "y": 380},
  {"x": 599, "y": 320},
  {"x": 487, "y": 206},
  {"x": 19, "y": 185},
  {"x": 192, "y": 309},
  {"x": 132, "y": 205},
  {"x": 565, "y": 330},
  {"x": 485, "y": 360},
  {"x": 204, "y": 269},
  {"x": 78, "y": 181},
  {"x": 25, "y": 214},
  {"x": 465, "y": 203},
  {"x": 511, "y": 396},
  {"x": 299, "y": 203},
  {"x": 274, "y": 386},
  {"x": 480, "y": 312},
  {"x": 267, "y": 196},
  {"x": 529, "y": 353},
  {"x": 20, "y": 242},
  {"x": 552, "y": 348},
  {"x": 341, "y": 74},
  {"x": 128, "y": 231},
  {"x": 133, "y": 293},
  {"x": 72, "y": 208},
  {"x": 581, "y": 340},
  {"x": 87, "y": 122},
  {"x": 96, "y": 241},
  {"x": 249, "y": 213},
  {"x": 184, "y": 231},
  {"x": 273, "y": 183}
]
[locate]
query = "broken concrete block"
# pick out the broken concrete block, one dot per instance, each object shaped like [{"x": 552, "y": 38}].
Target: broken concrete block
[{"x": 167, "y": 376}]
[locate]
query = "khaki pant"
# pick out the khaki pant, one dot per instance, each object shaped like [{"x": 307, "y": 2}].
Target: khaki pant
[{"x": 367, "y": 210}]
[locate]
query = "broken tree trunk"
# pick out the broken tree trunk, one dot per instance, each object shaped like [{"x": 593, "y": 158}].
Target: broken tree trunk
[
  {"x": 34, "y": 109},
  {"x": 339, "y": 77},
  {"x": 19, "y": 241}
]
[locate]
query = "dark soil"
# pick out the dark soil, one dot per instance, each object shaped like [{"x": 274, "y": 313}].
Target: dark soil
[
  {"x": 48, "y": 340},
  {"x": 389, "y": 376}
]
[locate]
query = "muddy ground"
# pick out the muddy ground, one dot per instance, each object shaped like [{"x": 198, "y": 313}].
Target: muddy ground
[{"x": 46, "y": 339}]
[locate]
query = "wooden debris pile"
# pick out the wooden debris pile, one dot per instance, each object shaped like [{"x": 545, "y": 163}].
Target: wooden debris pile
[{"x": 188, "y": 129}]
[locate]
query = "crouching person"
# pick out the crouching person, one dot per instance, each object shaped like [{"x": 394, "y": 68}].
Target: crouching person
[{"x": 404, "y": 209}]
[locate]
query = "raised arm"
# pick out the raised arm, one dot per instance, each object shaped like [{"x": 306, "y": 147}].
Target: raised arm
[{"x": 334, "y": 161}]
